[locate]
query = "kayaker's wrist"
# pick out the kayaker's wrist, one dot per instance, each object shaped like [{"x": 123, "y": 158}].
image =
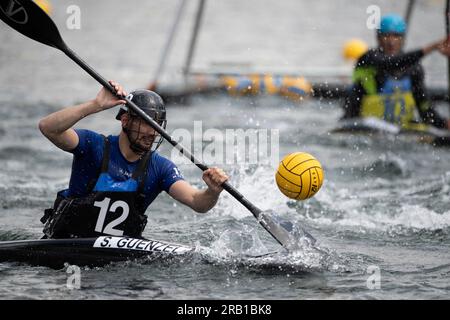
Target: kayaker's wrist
[
  {"x": 428, "y": 49},
  {"x": 93, "y": 106},
  {"x": 432, "y": 47},
  {"x": 212, "y": 192}
]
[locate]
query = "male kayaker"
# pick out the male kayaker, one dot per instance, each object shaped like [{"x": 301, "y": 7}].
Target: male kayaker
[
  {"x": 389, "y": 84},
  {"x": 114, "y": 179}
]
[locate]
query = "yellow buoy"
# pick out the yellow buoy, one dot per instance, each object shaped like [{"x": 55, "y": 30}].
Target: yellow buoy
[
  {"x": 354, "y": 49},
  {"x": 294, "y": 88},
  {"x": 45, "y": 5},
  {"x": 299, "y": 176}
]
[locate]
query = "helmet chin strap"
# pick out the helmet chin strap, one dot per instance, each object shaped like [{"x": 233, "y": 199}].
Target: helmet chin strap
[{"x": 133, "y": 142}]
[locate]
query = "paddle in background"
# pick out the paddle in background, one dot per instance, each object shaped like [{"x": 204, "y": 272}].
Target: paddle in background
[{"x": 29, "y": 19}]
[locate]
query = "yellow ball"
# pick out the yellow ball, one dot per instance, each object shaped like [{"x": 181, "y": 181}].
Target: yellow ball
[
  {"x": 45, "y": 5},
  {"x": 299, "y": 176},
  {"x": 354, "y": 49}
]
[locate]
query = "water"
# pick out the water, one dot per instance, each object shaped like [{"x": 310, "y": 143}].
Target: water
[{"x": 384, "y": 202}]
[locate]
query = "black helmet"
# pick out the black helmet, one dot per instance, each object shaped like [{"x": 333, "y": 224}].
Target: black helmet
[
  {"x": 153, "y": 105},
  {"x": 150, "y": 102}
]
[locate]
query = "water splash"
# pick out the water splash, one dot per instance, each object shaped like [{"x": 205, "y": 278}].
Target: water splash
[
  {"x": 244, "y": 249},
  {"x": 387, "y": 165},
  {"x": 232, "y": 243}
]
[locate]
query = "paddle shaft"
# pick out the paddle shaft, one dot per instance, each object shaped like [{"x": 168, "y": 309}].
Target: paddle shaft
[
  {"x": 408, "y": 13},
  {"x": 226, "y": 185}
]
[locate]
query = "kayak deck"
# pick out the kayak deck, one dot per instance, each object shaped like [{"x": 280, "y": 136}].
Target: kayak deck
[
  {"x": 92, "y": 252},
  {"x": 419, "y": 133}
]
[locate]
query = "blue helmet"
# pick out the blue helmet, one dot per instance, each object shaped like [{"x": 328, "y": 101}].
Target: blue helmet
[{"x": 392, "y": 23}]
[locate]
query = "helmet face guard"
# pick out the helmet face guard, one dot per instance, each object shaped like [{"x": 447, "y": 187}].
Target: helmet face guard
[
  {"x": 153, "y": 105},
  {"x": 133, "y": 142},
  {"x": 160, "y": 138}
]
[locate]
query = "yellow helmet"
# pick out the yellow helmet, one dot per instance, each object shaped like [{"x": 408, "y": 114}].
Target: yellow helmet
[{"x": 354, "y": 49}]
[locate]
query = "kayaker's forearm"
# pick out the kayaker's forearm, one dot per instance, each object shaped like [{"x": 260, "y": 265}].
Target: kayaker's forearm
[
  {"x": 205, "y": 200},
  {"x": 432, "y": 47},
  {"x": 60, "y": 121}
]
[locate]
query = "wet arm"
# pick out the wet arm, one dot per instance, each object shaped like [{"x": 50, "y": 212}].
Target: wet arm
[
  {"x": 57, "y": 127},
  {"x": 199, "y": 200}
]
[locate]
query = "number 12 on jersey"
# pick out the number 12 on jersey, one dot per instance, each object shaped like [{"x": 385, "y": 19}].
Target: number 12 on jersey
[{"x": 105, "y": 207}]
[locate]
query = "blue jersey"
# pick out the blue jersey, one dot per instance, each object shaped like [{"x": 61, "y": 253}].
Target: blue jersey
[{"x": 88, "y": 155}]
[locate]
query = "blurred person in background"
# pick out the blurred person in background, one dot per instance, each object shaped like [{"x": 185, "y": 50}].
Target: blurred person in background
[{"x": 389, "y": 84}]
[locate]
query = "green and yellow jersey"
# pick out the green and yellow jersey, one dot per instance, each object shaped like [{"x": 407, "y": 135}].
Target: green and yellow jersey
[{"x": 391, "y": 88}]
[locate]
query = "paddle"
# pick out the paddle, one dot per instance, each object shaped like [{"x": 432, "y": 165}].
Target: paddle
[
  {"x": 29, "y": 19},
  {"x": 408, "y": 13}
]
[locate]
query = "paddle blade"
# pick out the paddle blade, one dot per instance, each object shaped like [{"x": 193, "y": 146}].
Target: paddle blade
[
  {"x": 291, "y": 236},
  {"x": 29, "y": 19}
]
